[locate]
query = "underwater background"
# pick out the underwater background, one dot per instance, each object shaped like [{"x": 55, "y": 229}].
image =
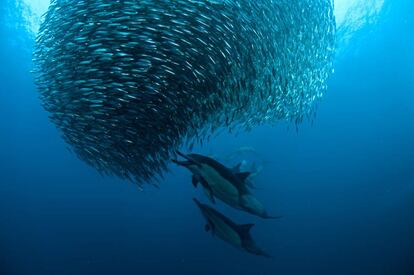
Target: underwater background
[{"x": 344, "y": 184}]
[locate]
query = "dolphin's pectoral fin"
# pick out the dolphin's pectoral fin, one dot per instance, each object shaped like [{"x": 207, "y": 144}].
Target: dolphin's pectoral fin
[
  {"x": 210, "y": 195},
  {"x": 195, "y": 180},
  {"x": 243, "y": 176},
  {"x": 209, "y": 227},
  {"x": 207, "y": 189},
  {"x": 245, "y": 228}
]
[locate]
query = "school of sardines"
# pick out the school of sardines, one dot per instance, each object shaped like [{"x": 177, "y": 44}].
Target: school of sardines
[{"x": 129, "y": 82}]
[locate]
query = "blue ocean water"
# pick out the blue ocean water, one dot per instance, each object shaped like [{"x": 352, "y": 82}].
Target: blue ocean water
[{"x": 344, "y": 184}]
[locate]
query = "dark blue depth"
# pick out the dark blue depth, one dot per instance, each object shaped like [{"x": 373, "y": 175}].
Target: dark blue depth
[{"x": 345, "y": 186}]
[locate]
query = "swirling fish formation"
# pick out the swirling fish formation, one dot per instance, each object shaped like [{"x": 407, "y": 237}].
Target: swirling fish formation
[{"x": 129, "y": 81}]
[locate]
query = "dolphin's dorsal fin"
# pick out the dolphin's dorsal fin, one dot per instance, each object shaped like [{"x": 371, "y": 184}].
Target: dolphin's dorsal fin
[
  {"x": 245, "y": 228},
  {"x": 236, "y": 168},
  {"x": 243, "y": 175}
]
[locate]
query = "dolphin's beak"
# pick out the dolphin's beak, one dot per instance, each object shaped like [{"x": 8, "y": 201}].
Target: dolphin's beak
[
  {"x": 189, "y": 159},
  {"x": 182, "y": 155},
  {"x": 181, "y": 163}
]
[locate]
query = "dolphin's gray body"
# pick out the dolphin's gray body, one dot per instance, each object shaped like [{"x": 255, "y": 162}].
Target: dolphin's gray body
[
  {"x": 230, "y": 232},
  {"x": 221, "y": 182}
]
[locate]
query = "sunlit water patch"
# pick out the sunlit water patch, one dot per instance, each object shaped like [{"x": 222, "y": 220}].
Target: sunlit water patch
[
  {"x": 353, "y": 15},
  {"x": 34, "y": 12},
  {"x": 30, "y": 14}
]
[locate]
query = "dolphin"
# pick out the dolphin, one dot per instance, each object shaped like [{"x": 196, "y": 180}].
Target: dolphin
[
  {"x": 230, "y": 232},
  {"x": 223, "y": 183}
]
